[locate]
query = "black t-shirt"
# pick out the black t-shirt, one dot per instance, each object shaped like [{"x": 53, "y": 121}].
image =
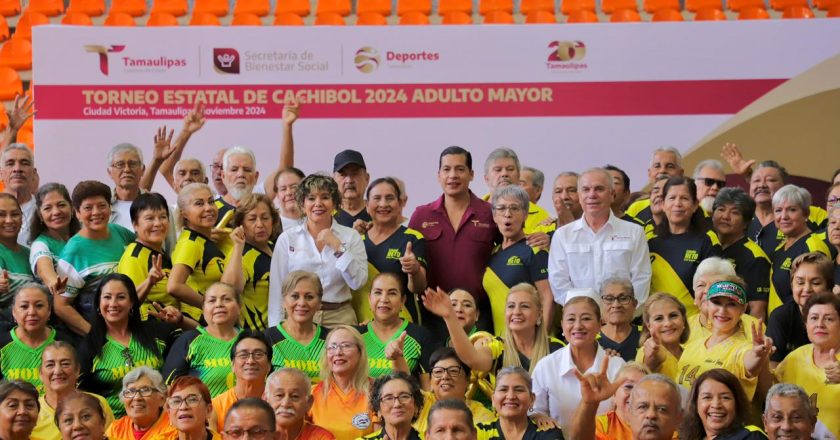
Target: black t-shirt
[
  {"x": 626, "y": 348},
  {"x": 786, "y": 328},
  {"x": 344, "y": 218},
  {"x": 751, "y": 264}
]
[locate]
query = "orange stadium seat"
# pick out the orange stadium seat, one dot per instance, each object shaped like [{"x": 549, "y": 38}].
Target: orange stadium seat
[
  {"x": 134, "y": 8},
  {"x": 246, "y": 20},
  {"x": 10, "y": 86},
  {"x": 610, "y": 6},
  {"x": 27, "y": 20},
  {"x": 753, "y": 13},
  {"x": 569, "y": 6},
  {"x": 709, "y": 15},
  {"x": 50, "y": 8},
  {"x": 825, "y": 5},
  {"x": 651, "y": 6},
  {"x": 119, "y": 19},
  {"x": 667, "y": 15},
  {"x": 288, "y": 19},
  {"x": 381, "y": 7},
  {"x": 161, "y": 19},
  {"x": 529, "y": 6},
  {"x": 91, "y": 8},
  {"x": 487, "y": 6},
  {"x": 540, "y": 17},
  {"x": 219, "y": 8},
  {"x": 298, "y": 7},
  {"x": 176, "y": 8},
  {"x": 447, "y": 6},
  {"x": 4, "y": 119},
  {"x": 498, "y": 17},
  {"x": 17, "y": 54},
  {"x": 205, "y": 19},
  {"x": 696, "y": 5},
  {"x": 76, "y": 19},
  {"x": 414, "y": 18},
  {"x": 260, "y": 8},
  {"x": 406, "y": 6},
  {"x": 26, "y": 136},
  {"x": 625, "y": 16},
  {"x": 582, "y": 16},
  {"x": 9, "y": 8},
  {"x": 833, "y": 11},
  {"x": 738, "y": 5},
  {"x": 340, "y": 7},
  {"x": 4, "y": 29},
  {"x": 329, "y": 19},
  {"x": 371, "y": 19},
  {"x": 798, "y": 12},
  {"x": 781, "y": 5},
  {"x": 456, "y": 17}
]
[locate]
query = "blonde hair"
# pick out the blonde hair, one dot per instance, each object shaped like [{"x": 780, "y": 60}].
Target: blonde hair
[
  {"x": 655, "y": 298},
  {"x": 540, "y": 350},
  {"x": 184, "y": 199},
  {"x": 296, "y": 276},
  {"x": 250, "y": 203},
  {"x": 361, "y": 383}
]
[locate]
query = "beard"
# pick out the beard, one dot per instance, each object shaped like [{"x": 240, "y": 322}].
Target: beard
[
  {"x": 240, "y": 193},
  {"x": 707, "y": 203}
]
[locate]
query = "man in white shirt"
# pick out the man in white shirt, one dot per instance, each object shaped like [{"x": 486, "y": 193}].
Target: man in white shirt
[
  {"x": 598, "y": 245},
  {"x": 17, "y": 169}
]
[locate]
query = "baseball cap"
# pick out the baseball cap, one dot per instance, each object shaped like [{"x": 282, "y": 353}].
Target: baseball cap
[
  {"x": 728, "y": 289},
  {"x": 348, "y": 157}
]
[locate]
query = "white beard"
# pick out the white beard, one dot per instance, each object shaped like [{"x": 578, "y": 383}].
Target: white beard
[{"x": 707, "y": 203}]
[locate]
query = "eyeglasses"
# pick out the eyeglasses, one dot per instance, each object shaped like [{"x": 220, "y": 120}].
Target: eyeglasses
[
  {"x": 256, "y": 432},
  {"x": 123, "y": 163},
  {"x": 192, "y": 401},
  {"x": 403, "y": 398},
  {"x": 622, "y": 299},
  {"x": 454, "y": 371},
  {"x": 833, "y": 200},
  {"x": 258, "y": 355},
  {"x": 342, "y": 347},
  {"x": 126, "y": 355},
  {"x": 130, "y": 393},
  {"x": 708, "y": 181},
  {"x": 513, "y": 209}
]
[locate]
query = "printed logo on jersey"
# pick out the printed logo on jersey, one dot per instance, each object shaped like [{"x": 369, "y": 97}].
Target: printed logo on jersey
[
  {"x": 514, "y": 261},
  {"x": 691, "y": 256},
  {"x": 361, "y": 421},
  {"x": 786, "y": 264},
  {"x": 393, "y": 254}
]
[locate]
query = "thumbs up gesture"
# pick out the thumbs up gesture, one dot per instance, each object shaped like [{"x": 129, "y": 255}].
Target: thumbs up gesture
[
  {"x": 408, "y": 261},
  {"x": 654, "y": 355},
  {"x": 4, "y": 281},
  {"x": 394, "y": 349},
  {"x": 832, "y": 371}
]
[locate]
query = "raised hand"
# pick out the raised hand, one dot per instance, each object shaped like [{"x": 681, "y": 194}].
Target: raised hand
[
  {"x": 832, "y": 371},
  {"x": 168, "y": 314},
  {"x": 163, "y": 144},
  {"x": 362, "y": 226},
  {"x": 408, "y": 261},
  {"x": 291, "y": 109},
  {"x": 732, "y": 155},
  {"x": 437, "y": 302},
  {"x": 4, "y": 281},
  {"x": 394, "y": 349},
  {"x": 194, "y": 119},
  {"x": 237, "y": 236},
  {"x": 654, "y": 356},
  {"x": 156, "y": 272},
  {"x": 58, "y": 286},
  {"x": 20, "y": 112},
  {"x": 596, "y": 387},
  {"x": 762, "y": 345}
]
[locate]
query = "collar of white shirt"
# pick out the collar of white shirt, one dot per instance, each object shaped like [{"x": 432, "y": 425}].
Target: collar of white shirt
[{"x": 566, "y": 364}]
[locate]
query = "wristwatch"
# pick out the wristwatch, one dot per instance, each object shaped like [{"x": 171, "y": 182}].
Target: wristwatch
[{"x": 341, "y": 250}]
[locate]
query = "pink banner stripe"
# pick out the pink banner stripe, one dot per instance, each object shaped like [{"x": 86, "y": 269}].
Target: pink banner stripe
[{"x": 97, "y": 102}]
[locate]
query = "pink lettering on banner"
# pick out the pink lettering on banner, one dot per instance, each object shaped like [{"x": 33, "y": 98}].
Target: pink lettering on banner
[{"x": 640, "y": 98}]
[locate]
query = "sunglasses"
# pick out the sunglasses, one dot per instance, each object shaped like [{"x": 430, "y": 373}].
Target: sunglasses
[{"x": 708, "y": 181}]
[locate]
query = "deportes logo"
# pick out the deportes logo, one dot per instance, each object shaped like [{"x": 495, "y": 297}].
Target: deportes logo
[
  {"x": 226, "y": 60},
  {"x": 103, "y": 52},
  {"x": 566, "y": 51},
  {"x": 367, "y": 59}
]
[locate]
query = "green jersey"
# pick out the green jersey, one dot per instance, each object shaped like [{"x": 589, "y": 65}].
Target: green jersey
[
  {"x": 45, "y": 246},
  {"x": 204, "y": 356},
  {"x": 417, "y": 349},
  {"x": 19, "y": 361},
  {"x": 16, "y": 262},
  {"x": 289, "y": 353}
]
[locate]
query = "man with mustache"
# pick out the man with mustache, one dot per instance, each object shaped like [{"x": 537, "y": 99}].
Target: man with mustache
[
  {"x": 789, "y": 413},
  {"x": 709, "y": 178},
  {"x": 350, "y": 173},
  {"x": 667, "y": 161},
  {"x": 290, "y": 395},
  {"x": 239, "y": 174},
  {"x": 17, "y": 170}
]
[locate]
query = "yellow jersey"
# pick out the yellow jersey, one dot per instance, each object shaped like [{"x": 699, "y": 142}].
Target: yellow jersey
[
  {"x": 697, "y": 331},
  {"x": 46, "y": 428},
  {"x": 136, "y": 261},
  {"x": 799, "y": 368},
  {"x": 205, "y": 260},
  {"x": 479, "y": 412},
  {"x": 669, "y": 365},
  {"x": 729, "y": 355}
]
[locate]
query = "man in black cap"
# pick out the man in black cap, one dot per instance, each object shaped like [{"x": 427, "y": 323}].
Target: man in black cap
[{"x": 350, "y": 173}]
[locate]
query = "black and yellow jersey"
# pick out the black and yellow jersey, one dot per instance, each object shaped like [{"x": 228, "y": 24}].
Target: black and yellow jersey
[
  {"x": 780, "y": 290},
  {"x": 493, "y": 431},
  {"x": 640, "y": 211},
  {"x": 200, "y": 354},
  {"x": 769, "y": 236},
  {"x": 382, "y": 435},
  {"x": 417, "y": 349},
  {"x": 749, "y": 432},
  {"x": 289, "y": 353},
  {"x": 204, "y": 258},
  {"x": 223, "y": 207},
  {"x": 19, "y": 361},
  {"x": 385, "y": 258},
  {"x": 135, "y": 263},
  {"x": 344, "y": 218},
  {"x": 751, "y": 264},
  {"x": 256, "y": 266},
  {"x": 787, "y": 329},
  {"x": 519, "y": 263},
  {"x": 674, "y": 259},
  {"x": 497, "y": 351}
]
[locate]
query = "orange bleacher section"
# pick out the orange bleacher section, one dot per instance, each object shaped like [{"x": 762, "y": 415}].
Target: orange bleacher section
[{"x": 18, "y": 17}]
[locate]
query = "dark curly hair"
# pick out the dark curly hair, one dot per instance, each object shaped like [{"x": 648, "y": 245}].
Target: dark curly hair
[
  {"x": 692, "y": 426},
  {"x": 318, "y": 182},
  {"x": 376, "y": 391}
]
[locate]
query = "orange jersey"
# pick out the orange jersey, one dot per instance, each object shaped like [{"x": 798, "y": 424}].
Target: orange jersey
[
  {"x": 122, "y": 429},
  {"x": 346, "y": 415},
  {"x": 314, "y": 432},
  {"x": 221, "y": 405}
]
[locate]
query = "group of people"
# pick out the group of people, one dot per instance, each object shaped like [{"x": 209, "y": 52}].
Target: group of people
[{"x": 310, "y": 306}]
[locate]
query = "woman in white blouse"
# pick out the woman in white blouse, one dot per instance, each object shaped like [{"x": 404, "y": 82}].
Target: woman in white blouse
[{"x": 320, "y": 245}]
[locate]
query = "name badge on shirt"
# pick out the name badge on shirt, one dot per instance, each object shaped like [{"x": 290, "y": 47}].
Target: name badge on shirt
[{"x": 361, "y": 421}]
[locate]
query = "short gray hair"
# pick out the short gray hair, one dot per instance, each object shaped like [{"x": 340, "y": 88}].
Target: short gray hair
[
  {"x": 790, "y": 390},
  {"x": 232, "y": 151},
  {"x": 293, "y": 372},
  {"x": 661, "y": 378},
  {"x": 738, "y": 198},
  {"x": 618, "y": 281},
  {"x": 714, "y": 266},
  {"x": 501, "y": 153},
  {"x": 17, "y": 146},
  {"x": 518, "y": 371},
  {"x": 539, "y": 176},
  {"x": 793, "y": 194},
  {"x": 194, "y": 160},
  {"x": 37, "y": 286},
  {"x": 512, "y": 192},
  {"x": 141, "y": 372},
  {"x": 123, "y": 147},
  {"x": 773, "y": 164},
  {"x": 708, "y": 163},
  {"x": 596, "y": 170},
  {"x": 671, "y": 150}
]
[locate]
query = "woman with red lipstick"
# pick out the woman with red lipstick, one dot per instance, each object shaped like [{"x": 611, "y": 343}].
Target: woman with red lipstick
[
  {"x": 510, "y": 211},
  {"x": 396, "y": 399},
  {"x": 718, "y": 409},
  {"x": 512, "y": 399},
  {"x": 791, "y": 208},
  {"x": 189, "y": 405},
  {"x": 664, "y": 335},
  {"x": 816, "y": 366},
  {"x": 247, "y": 268},
  {"x": 53, "y": 225}
]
